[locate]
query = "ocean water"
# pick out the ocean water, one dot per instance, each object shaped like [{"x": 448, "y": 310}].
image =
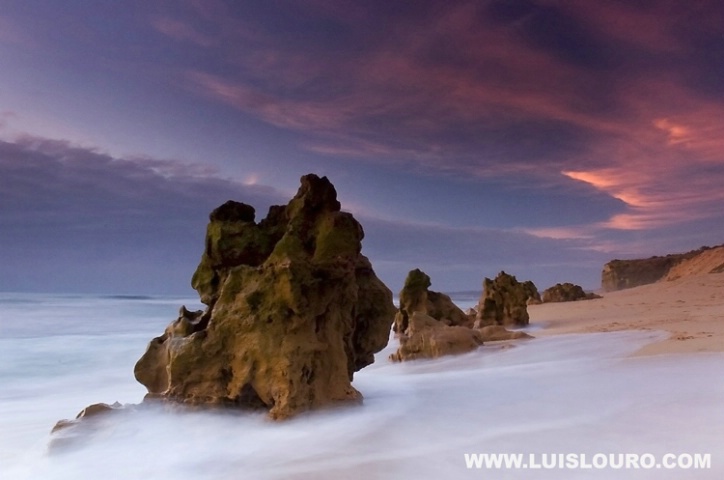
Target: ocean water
[{"x": 573, "y": 394}]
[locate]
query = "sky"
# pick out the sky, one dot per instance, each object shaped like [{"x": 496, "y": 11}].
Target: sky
[{"x": 539, "y": 137}]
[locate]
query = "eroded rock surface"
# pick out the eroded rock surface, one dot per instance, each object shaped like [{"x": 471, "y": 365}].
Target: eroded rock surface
[
  {"x": 504, "y": 301},
  {"x": 417, "y": 297},
  {"x": 622, "y": 274},
  {"x": 95, "y": 410},
  {"x": 426, "y": 337},
  {"x": 67, "y": 434},
  {"x": 293, "y": 310},
  {"x": 497, "y": 333},
  {"x": 429, "y": 324},
  {"x": 566, "y": 292}
]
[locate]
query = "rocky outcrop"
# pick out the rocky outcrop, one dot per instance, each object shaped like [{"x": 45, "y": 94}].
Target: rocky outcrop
[
  {"x": 532, "y": 291},
  {"x": 429, "y": 324},
  {"x": 417, "y": 297},
  {"x": 504, "y": 301},
  {"x": 622, "y": 274},
  {"x": 293, "y": 310},
  {"x": 566, "y": 292},
  {"x": 426, "y": 337}
]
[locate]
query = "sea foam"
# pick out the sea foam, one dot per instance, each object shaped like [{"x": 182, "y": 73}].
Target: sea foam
[{"x": 560, "y": 394}]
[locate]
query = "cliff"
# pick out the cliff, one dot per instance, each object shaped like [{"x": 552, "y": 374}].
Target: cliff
[{"x": 621, "y": 274}]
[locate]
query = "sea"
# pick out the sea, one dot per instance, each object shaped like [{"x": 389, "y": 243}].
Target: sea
[{"x": 566, "y": 406}]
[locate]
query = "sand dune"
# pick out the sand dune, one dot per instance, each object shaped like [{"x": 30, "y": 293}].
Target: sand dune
[
  {"x": 690, "y": 309},
  {"x": 707, "y": 261}
]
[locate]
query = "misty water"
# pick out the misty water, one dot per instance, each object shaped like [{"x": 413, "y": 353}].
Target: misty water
[{"x": 563, "y": 394}]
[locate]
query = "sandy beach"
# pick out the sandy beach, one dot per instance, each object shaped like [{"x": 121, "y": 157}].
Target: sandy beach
[{"x": 690, "y": 309}]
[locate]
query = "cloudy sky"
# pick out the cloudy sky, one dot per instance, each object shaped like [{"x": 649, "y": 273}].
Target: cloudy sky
[{"x": 540, "y": 137}]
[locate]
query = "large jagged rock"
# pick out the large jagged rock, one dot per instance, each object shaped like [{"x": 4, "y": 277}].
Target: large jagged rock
[
  {"x": 622, "y": 274},
  {"x": 293, "y": 310},
  {"x": 504, "y": 301},
  {"x": 417, "y": 297},
  {"x": 566, "y": 292},
  {"x": 426, "y": 337}
]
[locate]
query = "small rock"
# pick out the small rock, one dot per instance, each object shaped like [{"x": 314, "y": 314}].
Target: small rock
[
  {"x": 495, "y": 333},
  {"x": 430, "y": 338},
  {"x": 566, "y": 292}
]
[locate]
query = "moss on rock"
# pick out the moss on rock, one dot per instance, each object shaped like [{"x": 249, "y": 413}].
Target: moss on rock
[{"x": 293, "y": 310}]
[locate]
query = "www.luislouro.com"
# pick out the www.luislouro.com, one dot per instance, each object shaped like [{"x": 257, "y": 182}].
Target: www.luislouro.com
[{"x": 582, "y": 461}]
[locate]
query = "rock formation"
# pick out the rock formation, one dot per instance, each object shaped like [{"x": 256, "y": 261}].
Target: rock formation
[
  {"x": 566, "y": 292},
  {"x": 67, "y": 434},
  {"x": 532, "y": 291},
  {"x": 91, "y": 411},
  {"x": 417, "y": 297},
  {"x": 426, "y": 337},
  {"x": 621, "y": 274},
  {"x": 430, "y": 325},
  {"x": 504, "y": 301},
  {"x": 293, "y": 310}
]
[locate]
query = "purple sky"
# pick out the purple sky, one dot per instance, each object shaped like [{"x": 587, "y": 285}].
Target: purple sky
[{"x": 543, "y": 138}]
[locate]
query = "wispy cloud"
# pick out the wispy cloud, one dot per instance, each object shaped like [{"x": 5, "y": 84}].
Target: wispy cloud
[
  {"x": 614, "y": 106},
  {"x": 179, "y": 30},
  {"x": 42, "y": 177},
  {"x": 469, "y": 95},
  {"x": 56, "y": 197},
  {"x": 667, "y": 170},
  {"x": 66, "y": 208}
]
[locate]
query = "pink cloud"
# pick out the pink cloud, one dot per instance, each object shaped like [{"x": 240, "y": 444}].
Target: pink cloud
[
  {"x": 667, "y": 170},
  {"x": 653, "y": 150},
  {"x": 285, "y": 113},
  {"x": 391, "y": 81}
]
